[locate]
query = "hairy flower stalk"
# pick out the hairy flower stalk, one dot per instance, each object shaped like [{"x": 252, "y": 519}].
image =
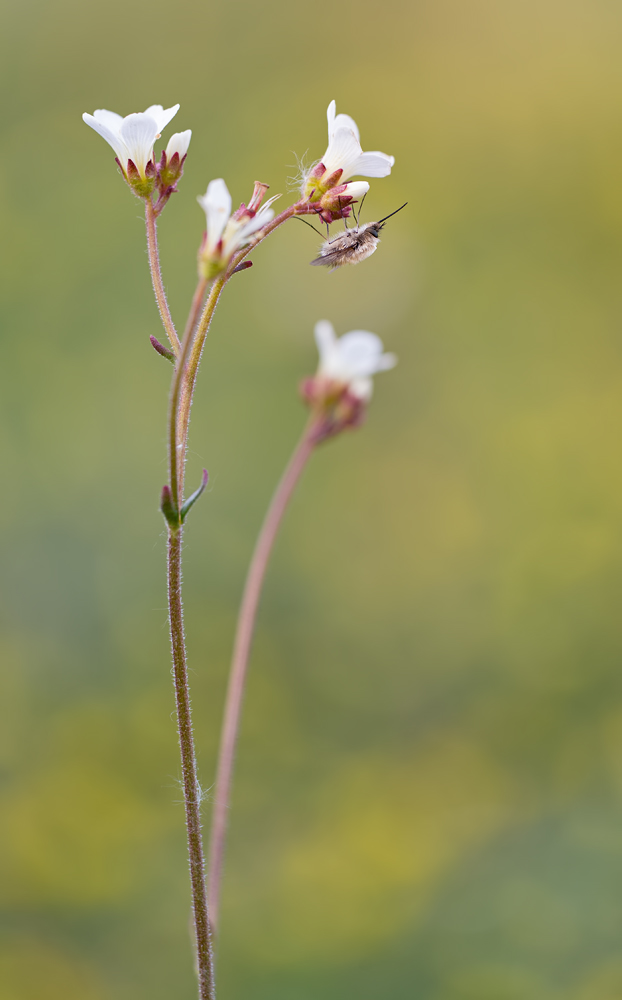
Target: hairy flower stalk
[
  {"x": 156, "y": 276},
  {"x": 338, "y": 396},
  {"x": 174, "y": 508},
  {"x": 192, "y": 792}
]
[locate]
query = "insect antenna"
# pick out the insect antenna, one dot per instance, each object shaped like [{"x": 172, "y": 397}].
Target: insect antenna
[
  {"x": 309, "y": 224},
  {"x": 392, "y": 213}
]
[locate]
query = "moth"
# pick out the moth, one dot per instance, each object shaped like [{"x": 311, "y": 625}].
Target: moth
[{"x": 353, "y": 245}]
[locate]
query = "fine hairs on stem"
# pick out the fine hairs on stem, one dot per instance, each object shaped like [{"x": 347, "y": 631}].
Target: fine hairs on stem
[{"x": 337, "y": 396}]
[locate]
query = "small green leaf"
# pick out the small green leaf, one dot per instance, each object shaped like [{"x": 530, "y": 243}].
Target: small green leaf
[{"x": 195, "y": 496}]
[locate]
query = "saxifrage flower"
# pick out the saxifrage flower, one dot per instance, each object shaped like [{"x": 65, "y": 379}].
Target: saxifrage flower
[
  {"x": 352, "y": 359},
  {"x": 133, "y": 137},
  {"x": 344, "y": 158}
]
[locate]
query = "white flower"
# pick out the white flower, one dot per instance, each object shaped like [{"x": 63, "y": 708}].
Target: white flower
[
  {"x": 351, "y": 359},
  {"x": 132, "y": 137},
  {"x": 178, "y": 143},
  {"x": 225, "y": 234},
  {"x": 345, "y": 152}
]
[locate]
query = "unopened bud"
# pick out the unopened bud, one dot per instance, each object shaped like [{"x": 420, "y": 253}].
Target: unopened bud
[{"x": 171, "y": 165}]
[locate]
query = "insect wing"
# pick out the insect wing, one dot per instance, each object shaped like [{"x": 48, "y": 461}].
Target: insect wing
[
  {"x": 335, "y": 252},
  {"x": 331, "y": 259}
]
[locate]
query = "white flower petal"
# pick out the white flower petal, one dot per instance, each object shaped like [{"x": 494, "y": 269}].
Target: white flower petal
[
  {"x": 374, "y": 165},
  {"x": 386, "y": 362},
  {"x": 336, "y": 121},
  {"x": 344, "y": 150},
  {"x": 362, "y": 388},
  {"x": 331, "y": 112},
  {"x": 258, "y": 222},
  {"x": 359, "y": 353},
  {"x": 112, "y": 137},
  {"x": 109, "y": 118},
  {"x": 325, "y": 339},
  {"x": 178, "y": 143},
  {"x": 216, "y": 203},
  {"x": 139, "y": 132},
  {"x": 352, "y": 359},
  {"x": 160, "y": 116}
]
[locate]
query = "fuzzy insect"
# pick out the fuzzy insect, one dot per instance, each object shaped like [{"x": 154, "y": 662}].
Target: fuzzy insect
[{"x": 353, "y": 245}]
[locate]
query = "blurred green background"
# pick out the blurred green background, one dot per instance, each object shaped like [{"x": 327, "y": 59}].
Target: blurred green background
[{"x": 428, "y": 797}]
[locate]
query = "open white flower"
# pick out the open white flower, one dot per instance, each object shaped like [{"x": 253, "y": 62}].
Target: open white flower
[
  {"x": 344, "y": 158},
  {"x": 132, "y": 137},
  {"x": 351, "y": 359},
  {"x": 345, "y": 153},
  {"x": 226, "y": 233}
]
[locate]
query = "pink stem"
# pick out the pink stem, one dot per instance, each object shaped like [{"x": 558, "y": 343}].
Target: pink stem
[
  {"x": 156, "y": 276},
  {"x": 239, "y": 664}
]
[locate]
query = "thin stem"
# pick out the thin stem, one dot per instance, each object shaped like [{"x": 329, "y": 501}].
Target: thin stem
[
  {"x": 189, "y": 377},
  {"x": 190, "y": 374},
  {"x": 192, "y": 792},
  {"x": 239, "y": 664},
  {"x": 195, "y": 308},
  {"x": 156, "y": 276},
  {"x": 188, "y": 355},
  {"x": 182, "y": 390}
]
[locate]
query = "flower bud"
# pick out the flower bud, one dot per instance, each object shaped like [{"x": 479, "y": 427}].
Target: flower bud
[
  {"x": 339, "y": 197},
  {"x": 171, "y": 165}
]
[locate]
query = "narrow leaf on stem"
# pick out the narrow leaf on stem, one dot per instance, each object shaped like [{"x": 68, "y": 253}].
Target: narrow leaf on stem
[
  {"x": 195, "y": 496},
  {"x": 161, "y": 349},
  {"x": 243, "y": 266}
]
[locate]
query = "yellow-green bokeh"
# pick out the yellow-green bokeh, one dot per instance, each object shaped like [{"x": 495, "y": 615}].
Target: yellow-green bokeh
[{"x": 428, "y": 796}]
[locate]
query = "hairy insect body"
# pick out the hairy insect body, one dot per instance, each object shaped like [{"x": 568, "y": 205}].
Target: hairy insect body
[
  {"x": 353, "y": 245},
  {"x": 350, "y": 247}
]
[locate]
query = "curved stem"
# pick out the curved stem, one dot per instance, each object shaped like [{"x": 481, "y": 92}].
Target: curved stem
[
  {"x": 192, "y": 792},
  {"x": 193, "y": 357},
  {"x": 156, "y": 276},
  {"x": 182, "y": 389},
  {"x": 239, "y": 664}
]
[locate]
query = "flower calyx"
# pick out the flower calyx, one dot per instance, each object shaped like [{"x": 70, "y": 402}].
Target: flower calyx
[{"x": 334, "y": 407}]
